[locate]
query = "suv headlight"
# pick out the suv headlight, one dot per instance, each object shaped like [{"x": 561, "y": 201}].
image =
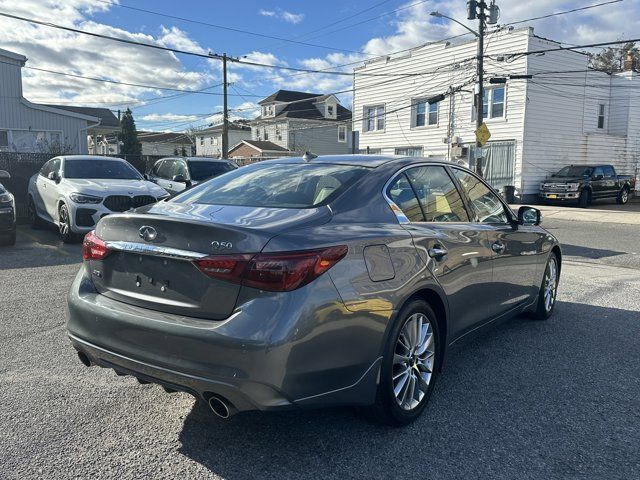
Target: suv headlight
[
  {"x": 573, "y": 186},
  {"x": 6, "y": 197},
  {"x": 543, "y": 186},
  {"x": 82, "y": 198}
]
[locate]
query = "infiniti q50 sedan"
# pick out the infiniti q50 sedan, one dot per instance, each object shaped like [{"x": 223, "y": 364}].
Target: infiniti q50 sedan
[{"x": 338, "y": 280}]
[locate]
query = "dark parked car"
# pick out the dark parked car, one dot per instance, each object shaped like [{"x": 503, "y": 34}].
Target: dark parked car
[
  {"x": 177, "y": 174},
  {"x": 340, "y": 280},
  {"x": 585, "y": 183},
  {"x": 7, "y": 214}
]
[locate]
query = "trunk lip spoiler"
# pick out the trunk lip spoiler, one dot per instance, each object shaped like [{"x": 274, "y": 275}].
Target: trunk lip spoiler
[{"x": 156, "y": 250}]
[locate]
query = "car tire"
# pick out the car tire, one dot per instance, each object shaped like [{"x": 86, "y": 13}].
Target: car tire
[
  {"x": 584, "y": 199},
  {"x": 34, "y": 219},
  {"x": 64, "y": 225},
  {"x": 413, "y": 347},
  {"x": 623, "y": 197},
  {"x": 548, "y": 289}
]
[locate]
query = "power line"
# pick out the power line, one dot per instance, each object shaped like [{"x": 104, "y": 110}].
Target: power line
[{"x": 564, "y": 12}]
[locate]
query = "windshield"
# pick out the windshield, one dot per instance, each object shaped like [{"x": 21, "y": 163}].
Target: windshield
[
  {"x": 276, "y": 185},
  {"x": 109, "y": 169},
  {"x": 575, "y": 171},
  {"x": 202, "y": 170}
]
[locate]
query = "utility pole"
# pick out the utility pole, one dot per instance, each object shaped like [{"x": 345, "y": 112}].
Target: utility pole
[
  {"x": 225, "y": 113},
  {"x": 481, "y": 6}
]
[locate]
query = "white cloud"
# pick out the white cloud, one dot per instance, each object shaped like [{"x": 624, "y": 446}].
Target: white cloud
[
  {"x": 282, "y": 15},
  {"x": 168, "y": 117}
]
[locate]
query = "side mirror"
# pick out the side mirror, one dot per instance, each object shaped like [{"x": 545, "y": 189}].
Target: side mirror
[
  {"x": 179, "y": 178},
  {"x": 145, "y": 176},
  {"x": 4, "y": 174},
  {"x": 529, "y": 216},
  {"x": 53, "y": 176}
]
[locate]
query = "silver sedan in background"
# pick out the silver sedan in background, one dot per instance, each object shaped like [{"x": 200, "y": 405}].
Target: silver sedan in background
[{"x": 338, "y": 280}]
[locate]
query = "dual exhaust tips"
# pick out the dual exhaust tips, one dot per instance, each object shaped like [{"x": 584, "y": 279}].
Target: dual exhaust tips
[{"x": 219, "y": 406}]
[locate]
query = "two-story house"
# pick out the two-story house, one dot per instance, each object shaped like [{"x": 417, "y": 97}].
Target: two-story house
[
  {"x": 304, "y": 122},
  {"x": 566, "y": 113},
  {"x": 209, "y": 140}
]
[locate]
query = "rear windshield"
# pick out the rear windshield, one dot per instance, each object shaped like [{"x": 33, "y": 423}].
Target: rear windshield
[
  {"x": 203, "y": 170},
  {"x": 276, "y": 185},
  {"x": 93, "y": 168},
  {"x": 575, "y": 171}
]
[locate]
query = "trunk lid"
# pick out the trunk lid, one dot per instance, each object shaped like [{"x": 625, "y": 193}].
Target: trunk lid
[{"x": 158, "y": 273}]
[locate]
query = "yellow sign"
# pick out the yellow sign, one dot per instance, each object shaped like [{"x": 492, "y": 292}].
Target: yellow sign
[{"x": 483, "y": 134}]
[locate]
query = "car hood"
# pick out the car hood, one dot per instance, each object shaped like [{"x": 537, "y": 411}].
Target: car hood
[
  {"x": 104, "y": 187},
  {"x": 555, "y": 179}
]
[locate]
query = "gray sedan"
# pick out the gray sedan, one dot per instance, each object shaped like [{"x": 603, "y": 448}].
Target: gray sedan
[{"x": 338, "y": 280}]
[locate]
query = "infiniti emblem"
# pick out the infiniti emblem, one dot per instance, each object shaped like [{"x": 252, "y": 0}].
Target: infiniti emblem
[{"x": 149, "y": 234}]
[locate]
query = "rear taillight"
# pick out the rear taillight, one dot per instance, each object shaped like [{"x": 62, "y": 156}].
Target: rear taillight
[
  {"x": 276, "y": 272},
  {"x": 93, "y": 247}
]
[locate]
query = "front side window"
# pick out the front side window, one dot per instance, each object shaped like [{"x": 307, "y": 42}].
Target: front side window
[
  {"x": 493, "y": 103},
  {"x": 107, "y": 169},
  {"x": 609, "y": 172},
  {"x": 276, "y": 186},
  {"x": 598, "y": 172},
  {"x": 373, "y": 118},
  {"x": 485, "y": 203}
]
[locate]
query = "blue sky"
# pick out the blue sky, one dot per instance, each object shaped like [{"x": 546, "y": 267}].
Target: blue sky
[{"x": 350, "y": 31}]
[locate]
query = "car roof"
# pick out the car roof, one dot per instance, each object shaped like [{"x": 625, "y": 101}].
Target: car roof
[
  {"x": 197, "y": 159},
  {"x": 90, "y": 157},
  {"x": 360, "y": 160}
]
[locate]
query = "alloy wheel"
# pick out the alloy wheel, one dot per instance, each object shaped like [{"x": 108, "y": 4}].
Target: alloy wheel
[
  {"x": 550, "y": 284},
  {"x": 63, "y": 221},
  {"x": 413, "y": 361},
  {"x": 625, "y": 196}
]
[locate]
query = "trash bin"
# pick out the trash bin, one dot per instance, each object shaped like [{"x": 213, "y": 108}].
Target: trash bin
[{"x": 510, "y": 193}]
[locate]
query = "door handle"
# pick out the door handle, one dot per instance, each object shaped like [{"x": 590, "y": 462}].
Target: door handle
[
  {"x": 170, "y": 185},
  {"x": 438, "y": 252},
  {"x": 498, "y": 247}
]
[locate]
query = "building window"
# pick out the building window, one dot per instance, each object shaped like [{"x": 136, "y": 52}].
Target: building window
[
  {"x": 278, "y": 132},
  {"x": 214, "y": 140},
  {"x": 601, "y": 110},
  {"x": 409, "y": 151},
  {"x": 492, "y": 103},
  {"x": 330, "y": 110},
  {"x": 265, "y": 133},
  {"x": 342, "y": 133},
  {"x": 425, "y": 113},
  {"x": 202, "y": 141},
  {"x": 373, "y": 118}
]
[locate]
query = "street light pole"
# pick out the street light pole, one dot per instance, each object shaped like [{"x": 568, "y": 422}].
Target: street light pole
[
  {"x": 225, "y": 113},
  {"x": 480, "y": 86}
]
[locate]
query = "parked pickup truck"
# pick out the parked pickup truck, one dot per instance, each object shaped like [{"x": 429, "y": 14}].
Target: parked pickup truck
[{"x": 585, "y": 183}]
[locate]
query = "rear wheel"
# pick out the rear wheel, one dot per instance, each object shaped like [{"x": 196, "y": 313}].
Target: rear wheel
[
  {"x": 623, "y": 196},
  {"x": 409, "y": 366},
  {"x": 548, "y": 289},
  {"x": 64, "y": 225},
  {"x": 585, "y": 199},
  {"x": 34, "y": 220}
]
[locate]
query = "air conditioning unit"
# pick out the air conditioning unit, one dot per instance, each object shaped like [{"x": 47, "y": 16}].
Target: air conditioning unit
[
  {"x": 456, "y": 151},
  {"x": 445, "y": 140}
]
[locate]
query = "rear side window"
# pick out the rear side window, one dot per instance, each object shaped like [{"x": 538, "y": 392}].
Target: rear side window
[
  {"x": 402, "y": 194},
  {"x": 202, "y": 170},
  {"x": 276, "y": 185},
  {"x": 485, "y": 203}
]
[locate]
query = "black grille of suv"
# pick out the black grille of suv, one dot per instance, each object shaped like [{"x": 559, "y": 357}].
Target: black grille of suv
[{"x": 122, "y": 203}]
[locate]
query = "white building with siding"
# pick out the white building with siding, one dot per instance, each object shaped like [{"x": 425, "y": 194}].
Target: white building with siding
[
  {"x": 566, "y": 114},
  {"x": 209, "y": 140},
  {"x": 29, "y": 127}
]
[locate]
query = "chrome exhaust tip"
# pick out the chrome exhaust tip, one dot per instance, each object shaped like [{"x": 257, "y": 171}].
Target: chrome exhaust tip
[
  {"x": 84, "y": 358},
  {"x": 220, "y": 407}
]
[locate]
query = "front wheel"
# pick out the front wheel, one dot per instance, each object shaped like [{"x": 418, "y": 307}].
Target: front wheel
[
  {"x": 64, "y": 225},
  {"x": 409, "y": 366},
  {"x": 548, "y": 289},
  {"x": 623, "y": 197}
]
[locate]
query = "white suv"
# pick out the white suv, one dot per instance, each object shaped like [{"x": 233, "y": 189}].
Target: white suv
[{"x": 75, "y": 191}]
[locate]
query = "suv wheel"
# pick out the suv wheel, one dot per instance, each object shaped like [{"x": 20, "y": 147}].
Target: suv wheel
[
  {"x": 548, "y": 289},
  {"x": 585, "y": 199},
  {"x": 623, "y": 197},
  {"x": 64, "y": 225},
  {"x": 409, "y": 366}
]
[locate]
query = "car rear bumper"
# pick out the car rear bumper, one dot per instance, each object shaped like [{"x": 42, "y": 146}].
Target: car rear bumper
[{"x": 266, "y": 356}]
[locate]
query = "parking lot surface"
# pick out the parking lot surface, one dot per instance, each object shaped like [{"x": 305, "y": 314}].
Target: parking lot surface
[{"x": 528, "y": 399}]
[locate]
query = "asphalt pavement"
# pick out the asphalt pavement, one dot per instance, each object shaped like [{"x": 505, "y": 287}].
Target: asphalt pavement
[{"x": 528, "y": 399}]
